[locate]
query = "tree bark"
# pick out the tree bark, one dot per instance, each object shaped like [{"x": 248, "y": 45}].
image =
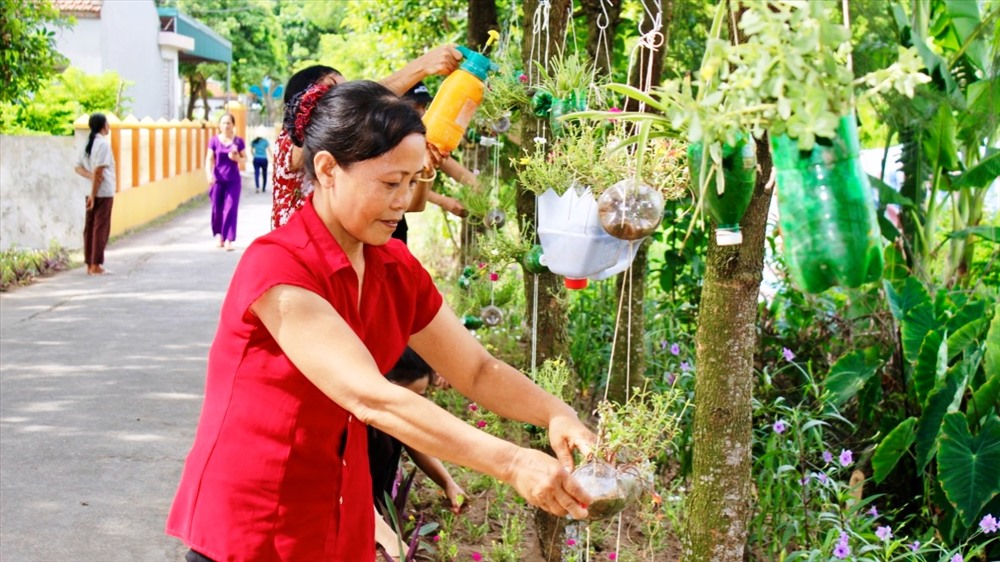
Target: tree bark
[
  {"x": 482, "y": 18},
  {"x": 552, "y": 321},
  {"x": 600, "y": 14},
  {"x": 629, "y": 369},
  {"x": 720, "y": 506}
]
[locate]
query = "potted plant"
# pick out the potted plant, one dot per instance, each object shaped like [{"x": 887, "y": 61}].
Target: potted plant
[{"x": 790, "y": 75}]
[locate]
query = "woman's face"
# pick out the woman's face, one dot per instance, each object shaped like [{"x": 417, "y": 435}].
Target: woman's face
[
  {"x": 367, "y": 200},
  {"x": 226, "y": 125}
]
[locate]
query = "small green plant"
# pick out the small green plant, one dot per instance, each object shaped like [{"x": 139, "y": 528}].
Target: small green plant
[{"x": 20, "y": 266}]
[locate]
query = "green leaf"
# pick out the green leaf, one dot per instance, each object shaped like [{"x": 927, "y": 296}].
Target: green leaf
[
  {"x": 943, "y": 400},
  {"x": 895, "y": 264},
  {"x": 969, "y": 311},
  {"x": 984, "y": 399},
  {"x": 638, "y": 95},
  {"x": 892, "y": 448},
  {"x": 931, "y": 365},
  {"x": 965, "y": 337},
  {"x": 903, "y": 298},
  {"x": 992, "y": 361},
  {"x": 940, "y": 143},
  {"x": 917, "y": 323},
  {"x": 887, "y": 195},
  {"x": 969, "y": 467},
  {"x": 981, "y": 175},
  {"x": 991, "y": 233},
  {"x": 849, "y": 374}
]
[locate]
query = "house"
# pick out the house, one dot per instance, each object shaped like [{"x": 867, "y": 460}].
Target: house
[{"x": 143, "y": 44}]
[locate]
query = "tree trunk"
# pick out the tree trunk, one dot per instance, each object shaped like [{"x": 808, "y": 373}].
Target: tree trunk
[
  {"x": 629, "y": 368},
  {"x": 482, "y": 18},
  {"x": 720, "y": 506},
  {"x": 551, "y": 329}
]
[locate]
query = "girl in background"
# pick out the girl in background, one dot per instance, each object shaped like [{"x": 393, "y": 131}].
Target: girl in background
[
  {"x": 226, "y": 152},
  {"x": 261, "y": 154},
  {"x": 97, "y": 164}
]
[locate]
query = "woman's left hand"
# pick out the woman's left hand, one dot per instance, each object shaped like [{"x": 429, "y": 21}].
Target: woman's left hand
[{"x": 567, "y": 433}]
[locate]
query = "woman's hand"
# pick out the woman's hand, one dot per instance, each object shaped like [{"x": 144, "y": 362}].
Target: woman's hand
[
  {"x": 90, "y": 202},
  {"x": 456, "y": 496},
  {"x": 452, "y": 205},
  {"x": 567, "y": 433},
  {"x": 546, "y": 483},
  {"x": 440, "y": 60}
]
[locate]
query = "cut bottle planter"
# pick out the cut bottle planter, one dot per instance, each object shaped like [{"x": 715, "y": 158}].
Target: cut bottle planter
[
  {"x": 575, "y": 244},
  {"x": 739, "y": 170},
  {"x": 828, "y": 223}
]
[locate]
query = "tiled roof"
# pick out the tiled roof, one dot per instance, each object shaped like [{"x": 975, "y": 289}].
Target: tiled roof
[{"x": 79, "y": 6}]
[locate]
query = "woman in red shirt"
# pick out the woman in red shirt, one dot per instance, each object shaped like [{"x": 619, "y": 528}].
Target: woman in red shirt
[{"x": 316, "y": 312}]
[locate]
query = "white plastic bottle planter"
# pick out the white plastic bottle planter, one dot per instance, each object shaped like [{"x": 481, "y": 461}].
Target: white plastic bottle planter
[{"x": 575, "y": 244}]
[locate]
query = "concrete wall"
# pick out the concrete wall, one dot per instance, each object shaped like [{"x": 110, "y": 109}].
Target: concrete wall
[
  {"x": 125, "y": 39},
  {"x": 42, "y": 200}
]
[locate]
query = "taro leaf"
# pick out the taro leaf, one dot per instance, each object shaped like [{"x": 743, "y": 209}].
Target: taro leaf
[
  {"x": 905, "y": 296},
  {"x": 965, "y": 337},
  {"x": 895, "y": 264},
  {"x": 918, "y": 322},
  {"x": 985, "y": 398},
  {"x": 991, "y": 233},
  {"x": 931, "y": 365},
  {"x": 892, "y": 448},
  {"x": 969, "y": 312},
  {"x": 992, "y": 361},
  {"x": 849, "y": 374},
  {"x": 940, "y": 144},
  {"x": 969, "y": 466},
  {"x": 887, "y": 195},
  {"x": 944, "y": 399},
  {"x": 982, "y": 174}
]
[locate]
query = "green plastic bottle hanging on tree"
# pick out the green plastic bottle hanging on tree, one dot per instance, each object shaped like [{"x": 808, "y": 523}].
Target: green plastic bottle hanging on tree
[
  {"x": 828, "y": 223},
  {"x": 739, "y": 170}
]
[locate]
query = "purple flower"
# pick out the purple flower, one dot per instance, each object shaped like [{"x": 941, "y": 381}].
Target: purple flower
[
  {"x": 846, "y": 457},
  {"x": 780, "y": 427},
  {"x": 821, "y": 476},
  {"x": 884, "y": 533},
  {"x": 915, "y": 546},
  {"x": 827, "y": 457},
  {"x": 787, "y": 353},
  {"x": 669, "y": 378},
  {"x": 989, "y": 524},
  {"x": 804, "y": 480},
  {"x": 957, "y": 558},
  {"x": 663, "y": 344},
  {"x": 873, "y": 511},
  {"x": 841, "y": 551},
  {"x": 675, "y": 349},
  {"x": 685, "y": 366}
]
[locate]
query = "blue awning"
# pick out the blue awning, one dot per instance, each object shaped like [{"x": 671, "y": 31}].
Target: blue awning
[{"x": 209, "y": 46}]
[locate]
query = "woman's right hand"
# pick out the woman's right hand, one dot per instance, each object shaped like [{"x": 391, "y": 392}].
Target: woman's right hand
[
  {"x": 545, "y": 482},
  {"x": 441, "y": 60}
]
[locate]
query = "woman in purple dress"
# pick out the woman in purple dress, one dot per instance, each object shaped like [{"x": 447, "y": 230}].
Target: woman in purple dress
[{"x": 226, "y": 152}]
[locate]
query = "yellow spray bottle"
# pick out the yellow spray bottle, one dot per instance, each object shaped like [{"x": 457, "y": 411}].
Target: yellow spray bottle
[{"x": 456, "y": 101}]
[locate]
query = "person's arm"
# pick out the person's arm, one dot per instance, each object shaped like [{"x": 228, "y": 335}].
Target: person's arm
[
  {"x": 385, "y": 536},
  {"x": 239, "y": 151},
  {"x": 83, "y": 172},
  {"x": 440, "y": 60},
  {"x": 437, "y": 472},
  {"x": 297, "y": 160},
  {"x": 456, "y": 171},
  {"x": 210, "y": 165},
  {"x": 418, "y": 201},
  {"x": 310, "y": 331},
  {"x": 450, "y": 204},
  {"x": 497, "y": 386},
  {"x": 95, "y": 185}
]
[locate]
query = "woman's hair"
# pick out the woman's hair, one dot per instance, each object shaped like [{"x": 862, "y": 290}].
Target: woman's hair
[
  {"x": 410, "y": 368},
  {"x": 354, "y": 121},
  {"x": 230, "y": 116},
  {"x": 255, "y": 139},
  {"x": 301, "y": 80},
  {"x": 297, "y": 85},
  {"x": 97, "y": 123}
]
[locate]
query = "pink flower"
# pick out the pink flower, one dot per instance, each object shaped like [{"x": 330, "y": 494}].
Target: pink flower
[
  {"x": 473, "y": 407},
  {"x": 615, "y": 110},
  {"x": 482, "y": 265},
  {"x": 570, "y": 542},
  {"x": 612, "y": 556},
  {"x": 494, "y": 276},
  {"x": 523, "y": 78},
  {"x": 437, "y": 538},
  {"x": 476, "y": 556},
  {"x": 481, "y": 424}
]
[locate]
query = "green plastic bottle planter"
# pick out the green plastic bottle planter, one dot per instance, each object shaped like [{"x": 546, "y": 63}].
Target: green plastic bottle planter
[
  {"x": 828, "y": 224},
  {"x": 739, "y": 168}
]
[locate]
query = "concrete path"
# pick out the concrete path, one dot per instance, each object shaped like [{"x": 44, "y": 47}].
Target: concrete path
[{"x": 101, "y": 381}]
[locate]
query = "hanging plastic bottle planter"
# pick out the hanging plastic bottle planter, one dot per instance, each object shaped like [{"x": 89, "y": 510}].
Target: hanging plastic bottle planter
[
  {"x": 739, "y": 170},
  {"x": 574, "y": 243},
  {"x": 495, "y": 218},
  {"x": 630, "y": 210},
  {"x": 472, "y": 322},
  {"x": 828, "y": 223},
  {"x": 613, "y": 488},
  {"x": 534, "y": 261},
  {"x": 491, "y": 315},
  {"x": 547, "y": 106}
]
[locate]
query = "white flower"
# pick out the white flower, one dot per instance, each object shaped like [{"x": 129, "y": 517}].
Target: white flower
[{"x": 540, "y": 140}]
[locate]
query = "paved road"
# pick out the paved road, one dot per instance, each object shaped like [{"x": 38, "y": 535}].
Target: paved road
[{"x": 101, "y": 381}]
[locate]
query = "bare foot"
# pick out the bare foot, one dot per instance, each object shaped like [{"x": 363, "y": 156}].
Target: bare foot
[
  {"x": 229, "y": 246},
  {"x": 218, "y": 242},
  {"x": 96, "y": 270}
]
